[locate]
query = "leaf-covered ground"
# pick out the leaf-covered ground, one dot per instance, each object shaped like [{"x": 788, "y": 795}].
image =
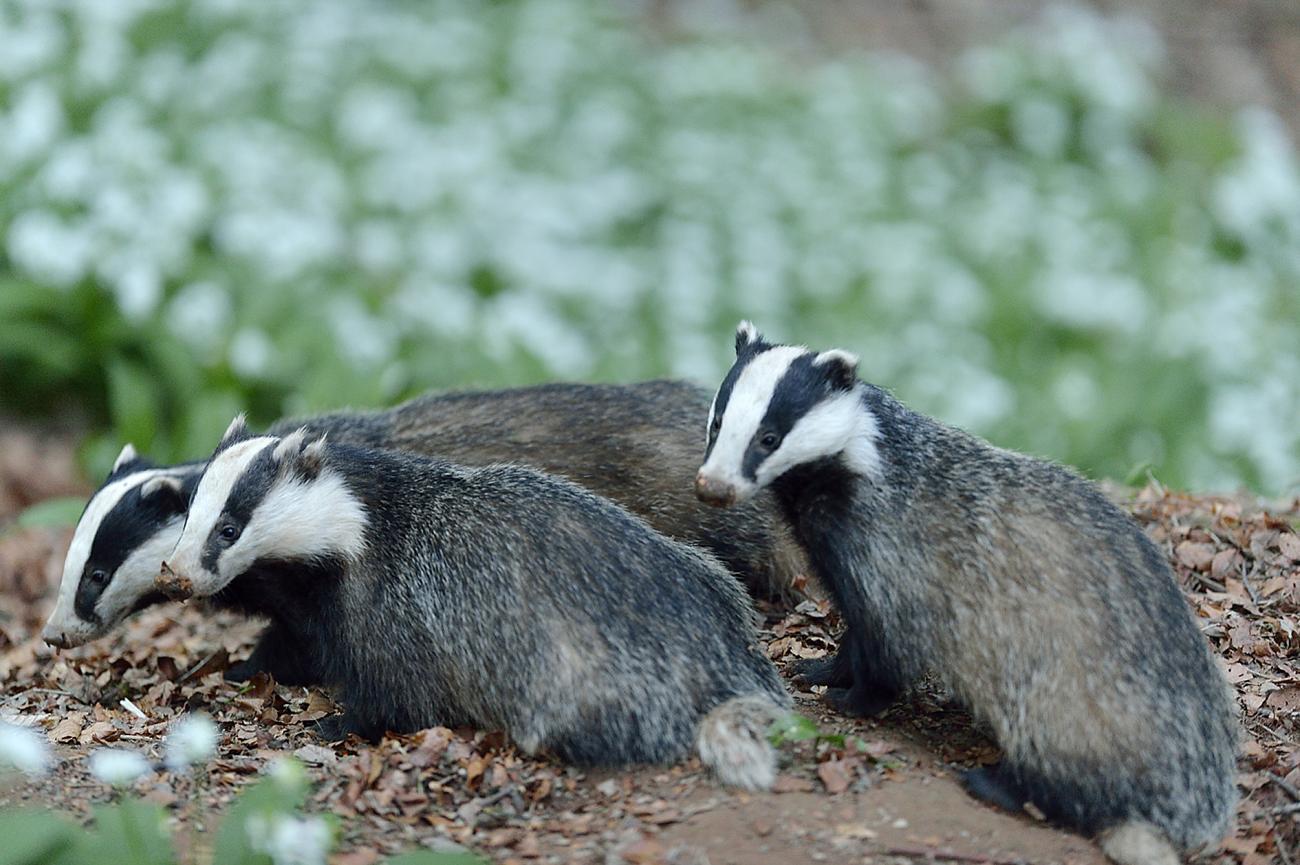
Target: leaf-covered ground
[{"x": 884, "y": 792}]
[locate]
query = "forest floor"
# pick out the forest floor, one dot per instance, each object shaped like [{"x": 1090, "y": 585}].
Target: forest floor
[{"x": 879, "y": 790}]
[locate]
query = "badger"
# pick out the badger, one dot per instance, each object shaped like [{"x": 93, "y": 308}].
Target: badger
[
  {"x": 1041, "y": 605},
  {"x": 500, "y": 597},
  {"x": 636, "y": 444}
]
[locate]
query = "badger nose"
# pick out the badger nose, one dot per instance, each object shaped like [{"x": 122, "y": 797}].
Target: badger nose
[
  {"x": 713, "y": 491},
  {"x": 57, "y": 639},
  {"x": 172, "y": 584}
]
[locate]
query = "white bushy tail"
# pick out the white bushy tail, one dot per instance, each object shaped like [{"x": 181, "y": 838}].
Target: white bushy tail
[
  {"x": 1137, "y": 843},
  {"x": 732, "y": 741}
]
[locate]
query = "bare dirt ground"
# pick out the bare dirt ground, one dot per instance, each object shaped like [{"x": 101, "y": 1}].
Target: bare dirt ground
[{"x": 881, "y": 790}]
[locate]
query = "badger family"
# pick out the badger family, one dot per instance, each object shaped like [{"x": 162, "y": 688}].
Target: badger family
[{"x": 550, "y": 563}]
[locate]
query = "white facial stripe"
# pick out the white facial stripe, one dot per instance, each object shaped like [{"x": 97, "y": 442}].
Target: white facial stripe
[
  {"x": 210, "y": 500},
  {"x": 74, "y": 563},
  {"x": 135, "y": 578},
  {"x": 298, "y": 519},
  {"x": 840, "y": 424},
  {"x": 750, "y": 397}
]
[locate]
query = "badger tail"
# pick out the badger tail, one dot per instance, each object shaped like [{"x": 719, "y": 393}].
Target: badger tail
[
  {"x": 732, "y": 741},
  {"x": 1137, "y": 843}
]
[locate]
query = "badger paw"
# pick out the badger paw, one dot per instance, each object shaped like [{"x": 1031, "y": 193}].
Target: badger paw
[
  {"x": 991, "y": 784},
  {"x": 861, "y": 700},
  {"x": 821, "y": 671}
]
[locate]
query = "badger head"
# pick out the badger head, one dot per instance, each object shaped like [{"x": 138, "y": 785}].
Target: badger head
[
  {"x": 262, "y": 499},
  {"x": 129, "y": 525},
  {"x": 779, "y": 407}
]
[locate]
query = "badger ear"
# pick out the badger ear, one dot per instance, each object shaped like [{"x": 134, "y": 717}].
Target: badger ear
[
  {"x": 289, "y": 446},
  {"x": 312, "y": 458},
  {"x": 127, "y": 455},
  {"x": 165, "y": 489},
  {"x": 747, "y": 335},
  {"x": 841, "y": 367},
  {"x": 238, "y": 429}
]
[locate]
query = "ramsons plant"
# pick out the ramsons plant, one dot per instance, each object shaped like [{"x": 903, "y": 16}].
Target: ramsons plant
[
  {"x": 208, "y": 205},
  {"x": 264, "y": 825}
]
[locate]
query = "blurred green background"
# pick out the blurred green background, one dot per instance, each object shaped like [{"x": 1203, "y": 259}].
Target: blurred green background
[{"x": 292, "y": 205}]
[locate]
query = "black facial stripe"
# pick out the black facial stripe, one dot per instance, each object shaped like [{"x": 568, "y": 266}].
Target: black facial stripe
[
  {"x": 131, "y": 522},
  {"x": 802, "y": 386},
  {"x": 729, "y": 383},
  {"x": 248, "y": 491}
]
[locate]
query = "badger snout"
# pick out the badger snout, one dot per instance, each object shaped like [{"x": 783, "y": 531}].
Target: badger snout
[
  {"x": 56, "y": 638},
  {"x": 176, "y": 586},
  {"x": 716, "y": 492}
]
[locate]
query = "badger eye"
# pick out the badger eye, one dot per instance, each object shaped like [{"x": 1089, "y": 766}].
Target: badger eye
[
  {"x": 229, "y": 533},
  {"x": 716, "y": 425},
  {"x": 769, "y": 441},
  {"x": 99, "y": 576}
]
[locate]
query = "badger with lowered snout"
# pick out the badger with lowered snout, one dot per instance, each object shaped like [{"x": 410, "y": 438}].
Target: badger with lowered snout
[
  {"x": 501, "y": 597},
  {"x": 1037, "y": 601},
  {"x": 635, "y": 444}
]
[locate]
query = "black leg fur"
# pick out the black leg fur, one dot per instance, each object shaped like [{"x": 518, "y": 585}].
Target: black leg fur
[
  {"x": 336, "y": 728},
  {"x": 278, "y": 653},
  {"x": 993, "y": 784},
  {"x": 833, "y": 670}
]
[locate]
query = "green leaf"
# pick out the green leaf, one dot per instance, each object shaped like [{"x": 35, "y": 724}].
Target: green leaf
[
  {"x": 429, "y": 857},
  {"x": 132, "y": 832},
  {"x": 52, "y": 513},
  {"x": 792, "y": 728},
  {"x": 34, "y": 837}
]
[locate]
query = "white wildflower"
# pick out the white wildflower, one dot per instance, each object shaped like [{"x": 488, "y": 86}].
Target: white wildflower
[
  {"x": 23, "y": 750},
  {"x": 290, "y": 840},
  {"x": 192, "y": 740},
  {"x": 287, "y": 774},
  {"x": 117, "y": 767}
]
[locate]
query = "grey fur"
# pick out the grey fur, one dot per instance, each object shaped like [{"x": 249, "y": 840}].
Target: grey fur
[
  {"x": 636, "y": 444},
  {"x": 1035, "y": 599},
  {"x": 509, "y": 599}
]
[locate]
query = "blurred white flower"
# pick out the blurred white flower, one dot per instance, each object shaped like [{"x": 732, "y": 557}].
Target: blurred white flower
[
  {"x": 250, "y": 352},
  {"x": 117, "y": 767},
  {"x": 288, "y": 774},
  {"x": 290, "y": 840},
  {"x": 23, "y": 750},
  {"x": 192, "y": 740}
]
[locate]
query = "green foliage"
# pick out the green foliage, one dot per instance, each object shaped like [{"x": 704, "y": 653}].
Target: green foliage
[
  {"x": 263, "y": 826},
  {"x": 296, "y": 206}
]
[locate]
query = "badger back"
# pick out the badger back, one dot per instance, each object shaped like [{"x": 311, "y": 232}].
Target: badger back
[
  {"x": 127, "y": 528},
  {"x": 635, "y": 444},
  {"x": 263, "y": 499}
]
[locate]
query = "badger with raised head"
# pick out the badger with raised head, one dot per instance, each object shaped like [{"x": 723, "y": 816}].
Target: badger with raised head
[
  {"x": 430, "y": 593},
  {"x": 636, "y": 444},
  {"x": 1037, "y": 601}
]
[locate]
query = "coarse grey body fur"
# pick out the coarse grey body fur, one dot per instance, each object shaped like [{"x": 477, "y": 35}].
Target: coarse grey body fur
[
  {"x": 499, "y": 597},
  {"x": 1034, "y": 598},
  {"x": 636, "y": 444}
]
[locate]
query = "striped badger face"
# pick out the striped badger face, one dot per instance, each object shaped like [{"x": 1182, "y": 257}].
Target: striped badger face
[
  {"x": 779, "y": 407},
  {"x": 262, "y": 499},
  {"x": 128, "y": 527}
]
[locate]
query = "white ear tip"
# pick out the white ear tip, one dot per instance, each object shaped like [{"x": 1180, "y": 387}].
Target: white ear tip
[
  {"x": 128, "y": 453},
  {"x": 847, "y": 358},
  {"x": 237, "y": 425},
  {"x": 747, "y": 330}
]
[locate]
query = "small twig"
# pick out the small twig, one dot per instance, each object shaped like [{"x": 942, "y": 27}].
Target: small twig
[
  {"x": 952, "y": 856},
  {"x": 1293, "y": 808},
  {"x": 133, "y": 709},
  {"x": 1209, "y": 583},
  {"x": 1286, "y": 785},
  {"x": 497, "y": 796},
  {"x": 1245, "y": 581},
  {"x": 60, "y": 692}
]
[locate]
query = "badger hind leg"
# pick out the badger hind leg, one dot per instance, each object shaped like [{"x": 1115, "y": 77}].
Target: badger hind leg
[
  {"x": 833, "y": 670},
  {"x": 995, "y": 785},
  {"x": 1137, "y": 843},
  {"x": 732, "y": 741}
]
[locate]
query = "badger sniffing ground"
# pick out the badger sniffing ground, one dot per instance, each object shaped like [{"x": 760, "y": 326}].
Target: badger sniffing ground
[{"x": 893, "y": 800}]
